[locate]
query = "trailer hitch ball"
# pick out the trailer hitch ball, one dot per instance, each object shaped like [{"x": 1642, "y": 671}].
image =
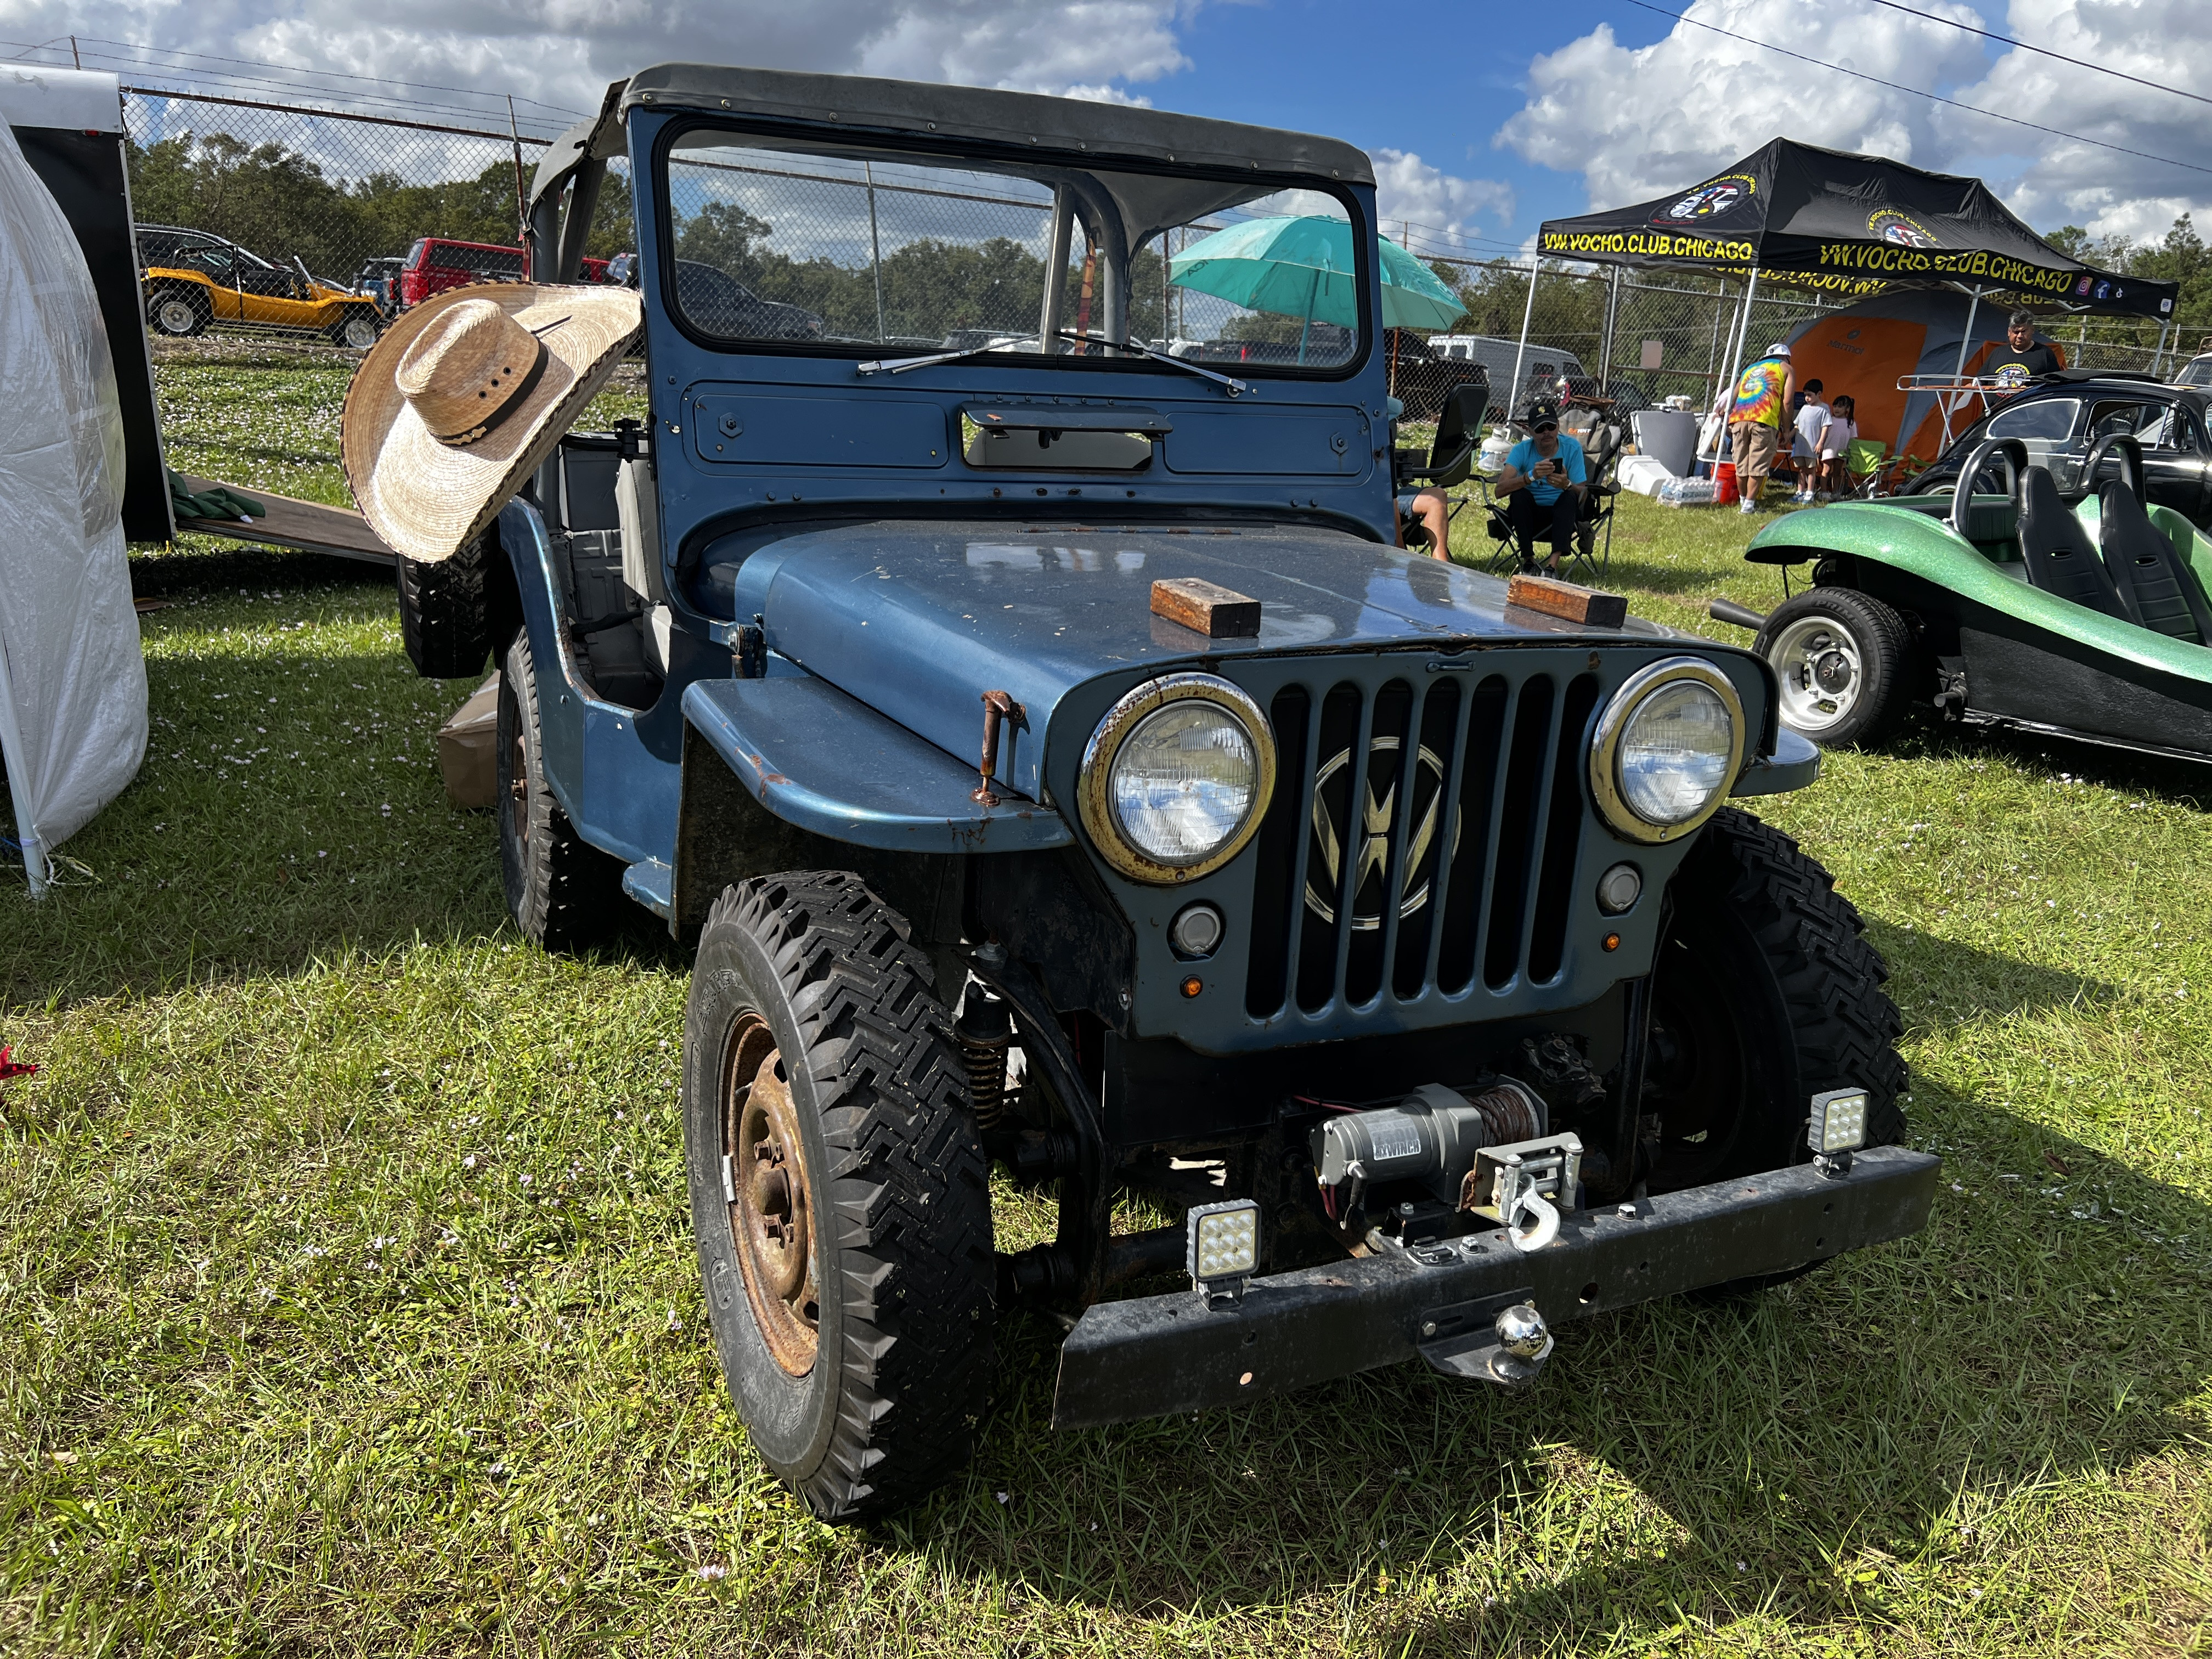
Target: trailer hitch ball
[{"x": 1524, "y": 1343}]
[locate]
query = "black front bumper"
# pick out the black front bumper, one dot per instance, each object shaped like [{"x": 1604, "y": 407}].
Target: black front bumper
[{"x": 1156, "y": 1355}]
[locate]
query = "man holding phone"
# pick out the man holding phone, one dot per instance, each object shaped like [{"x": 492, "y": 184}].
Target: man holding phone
[{"x": 1542, "y": 484}]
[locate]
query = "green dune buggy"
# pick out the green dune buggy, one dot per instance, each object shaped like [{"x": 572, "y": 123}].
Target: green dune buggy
[{"x": 1996, "y": 607}]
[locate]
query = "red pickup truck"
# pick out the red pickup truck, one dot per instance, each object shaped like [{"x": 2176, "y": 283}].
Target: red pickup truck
[{"x": 435, "y": 263}]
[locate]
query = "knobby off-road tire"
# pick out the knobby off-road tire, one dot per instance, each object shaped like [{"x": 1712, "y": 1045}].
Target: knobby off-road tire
[
  {"x": 846, "y": 1246},
  {"x": 1845, "y": 664},
  {"x": 445, "y": 619},
  {"x": 1764, "y": 993},
  {"x": 562, "y": 891}
]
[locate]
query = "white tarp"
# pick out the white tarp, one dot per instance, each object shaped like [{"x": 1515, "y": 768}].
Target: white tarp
[{"x": 72, "y": 678}]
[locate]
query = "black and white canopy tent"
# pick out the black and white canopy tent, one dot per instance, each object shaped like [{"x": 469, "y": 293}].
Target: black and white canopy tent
[{"x": 1847, "y": 224}]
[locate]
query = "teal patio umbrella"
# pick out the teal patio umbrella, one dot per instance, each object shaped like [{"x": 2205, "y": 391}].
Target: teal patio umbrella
[{"x": 1301, "y": 266}]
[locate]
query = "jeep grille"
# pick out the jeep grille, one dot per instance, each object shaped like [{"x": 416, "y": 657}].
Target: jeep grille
[{"x": 1424, "y": 833}]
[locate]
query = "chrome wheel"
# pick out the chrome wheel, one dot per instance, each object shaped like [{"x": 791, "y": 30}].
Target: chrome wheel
[
  {"x": 358, "y": 332},
  {"x": 1822, "y": 672},
  {"x": 174, "y": 316}
]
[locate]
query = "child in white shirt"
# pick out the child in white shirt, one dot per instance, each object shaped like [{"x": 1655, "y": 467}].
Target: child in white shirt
[{"x": 1812, "y": 422}]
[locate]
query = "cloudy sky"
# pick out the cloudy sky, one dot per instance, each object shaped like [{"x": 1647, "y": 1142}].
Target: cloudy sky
[{"x": 1483, "y": 120}]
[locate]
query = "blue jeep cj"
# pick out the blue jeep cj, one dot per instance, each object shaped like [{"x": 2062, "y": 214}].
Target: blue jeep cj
[{"x": 994, "y": 655}]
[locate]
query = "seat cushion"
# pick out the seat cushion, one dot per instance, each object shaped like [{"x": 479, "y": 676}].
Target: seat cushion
[
  {"x": 2160, "y": 592},
  {"x": 2057, "y": 551}
]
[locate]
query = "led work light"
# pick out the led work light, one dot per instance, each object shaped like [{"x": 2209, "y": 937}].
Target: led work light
[
  {"x": 1223, "y": 1248},
  {"x": 1837, "y": 1126}
]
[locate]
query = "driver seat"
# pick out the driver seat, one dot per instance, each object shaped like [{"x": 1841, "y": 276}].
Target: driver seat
[
  {"x": 2161, "y": 593},
  {"x": 2057, "y": 551}
]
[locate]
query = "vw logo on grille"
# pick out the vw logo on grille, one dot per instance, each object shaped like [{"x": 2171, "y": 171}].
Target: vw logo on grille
[{"x": 1369, "y": 844}]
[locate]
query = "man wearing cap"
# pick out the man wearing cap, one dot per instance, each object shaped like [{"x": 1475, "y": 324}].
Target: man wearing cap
[
  {"x": 2022, "y": 356},
  {"x": 1755, "y": 419},
  {"x": 1542, "y": 483}
]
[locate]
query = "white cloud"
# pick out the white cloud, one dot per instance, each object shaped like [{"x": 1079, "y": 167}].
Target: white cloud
[
  {"x": 1638, "y": 122},
  {"x": 2164, "y": 41},
  {"x": 565, "y": 51},
  {"x": 1408, "y": 188}
]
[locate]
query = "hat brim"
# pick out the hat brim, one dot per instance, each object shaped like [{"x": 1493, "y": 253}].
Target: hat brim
[{"x": 427, "y": 498}]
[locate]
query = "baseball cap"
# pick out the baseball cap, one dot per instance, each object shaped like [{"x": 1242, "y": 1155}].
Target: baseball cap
[{"x": 1778, "y": 349}]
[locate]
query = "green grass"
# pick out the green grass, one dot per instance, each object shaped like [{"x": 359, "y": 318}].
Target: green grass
[{"x": 347, "y": 1303}]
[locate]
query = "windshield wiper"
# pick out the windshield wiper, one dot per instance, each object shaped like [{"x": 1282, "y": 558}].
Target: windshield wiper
[
  {"x": 900, "y": 365},
  {"x": 1237, "y": 388}
]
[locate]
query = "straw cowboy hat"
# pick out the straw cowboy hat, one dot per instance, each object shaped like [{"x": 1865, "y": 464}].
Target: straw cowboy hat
[{"x": 466, "y": 396}]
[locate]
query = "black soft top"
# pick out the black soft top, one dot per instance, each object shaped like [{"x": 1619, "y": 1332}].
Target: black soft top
[{"x": 997, "y": 118}]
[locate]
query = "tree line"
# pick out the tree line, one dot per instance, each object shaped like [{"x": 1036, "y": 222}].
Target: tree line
[{"x": 282, "y": 204}]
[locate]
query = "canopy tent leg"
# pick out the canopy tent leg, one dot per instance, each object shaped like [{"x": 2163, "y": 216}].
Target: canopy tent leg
[
  {"x": 1313, "y": 292},
  {"x": 1952, "y": 400},
  {"x": 1520, "y": 353},
  {"x": 2158, "y": 356},
  {"x": 1738, "y": 349}
]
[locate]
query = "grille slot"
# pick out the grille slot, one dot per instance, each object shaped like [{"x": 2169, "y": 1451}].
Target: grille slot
[{"x": 1423, "y": 833}]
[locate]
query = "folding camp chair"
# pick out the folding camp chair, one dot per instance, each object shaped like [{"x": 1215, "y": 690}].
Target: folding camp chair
[
  {"x": 1870, "y": 473},
  {"x": 1451, "y": 455},
  {"x": 1589, "y": 554}
]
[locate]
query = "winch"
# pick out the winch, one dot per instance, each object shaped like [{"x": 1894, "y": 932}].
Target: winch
[
  {"x": 1432, "y": 1136},
  {"x": 1485, "y": 1153}
]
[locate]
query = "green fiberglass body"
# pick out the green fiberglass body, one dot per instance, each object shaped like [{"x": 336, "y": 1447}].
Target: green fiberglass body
[{"x": 2089, "y": 621}]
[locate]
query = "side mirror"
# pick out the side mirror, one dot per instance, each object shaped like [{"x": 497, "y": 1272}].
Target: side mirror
[{"x": 622, "y": 270}]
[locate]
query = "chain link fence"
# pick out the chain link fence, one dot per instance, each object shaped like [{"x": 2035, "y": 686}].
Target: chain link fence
[{"x": 342, "y": 197}]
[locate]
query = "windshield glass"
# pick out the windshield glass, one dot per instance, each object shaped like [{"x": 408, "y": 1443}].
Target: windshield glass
[
  {"x": 2197, "y": 372},
  {"x": 778, "y": 243}
]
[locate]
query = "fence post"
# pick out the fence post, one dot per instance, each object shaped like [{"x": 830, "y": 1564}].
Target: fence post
[
  {"x": 1528, "y": 316},
  {"x": 1605, "y": 339},
  {"x": 875, "y": 247}
]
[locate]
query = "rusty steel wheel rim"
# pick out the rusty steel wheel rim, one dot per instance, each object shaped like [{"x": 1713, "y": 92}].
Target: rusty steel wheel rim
[{"x": 771, "y": 1207}]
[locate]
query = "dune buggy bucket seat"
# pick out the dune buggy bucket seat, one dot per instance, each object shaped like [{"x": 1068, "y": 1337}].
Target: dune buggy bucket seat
[{"x": 2160, "y": 591}]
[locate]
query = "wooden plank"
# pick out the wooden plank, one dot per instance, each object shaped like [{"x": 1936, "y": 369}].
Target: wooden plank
[
  {"x": 1568, "y": 601},
  {"x": 308, "y": 525},
  {"x": 1206, "y": 608}
]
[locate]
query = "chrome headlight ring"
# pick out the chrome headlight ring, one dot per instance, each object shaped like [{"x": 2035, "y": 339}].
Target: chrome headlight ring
[
  {"x": 1605, "y": 747},
  {"x": 1094, "y": 783}
]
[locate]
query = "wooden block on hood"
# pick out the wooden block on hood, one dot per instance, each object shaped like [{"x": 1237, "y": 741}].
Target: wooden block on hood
[{"x": 1208, "y": 607}]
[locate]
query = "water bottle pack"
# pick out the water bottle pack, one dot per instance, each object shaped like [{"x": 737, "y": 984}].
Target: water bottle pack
[{"x": 1689, "y": 492}]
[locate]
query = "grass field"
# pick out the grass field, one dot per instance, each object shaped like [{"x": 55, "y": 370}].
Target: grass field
[{"x": 346, "y": 1304}]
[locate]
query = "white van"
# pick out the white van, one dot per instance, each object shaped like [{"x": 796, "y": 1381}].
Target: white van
[{"x": 1539, "y": 362}]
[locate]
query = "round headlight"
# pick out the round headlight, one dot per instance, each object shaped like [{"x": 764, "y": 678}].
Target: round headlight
[
  {"x": 1667, "y": 748},
  {"x": 1675, "y": 753},
  {"x": 1182, "y": 782},
  {"x": 1177, "y": 777}
]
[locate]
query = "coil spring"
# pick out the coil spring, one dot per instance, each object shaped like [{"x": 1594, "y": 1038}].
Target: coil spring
[
  {"x": 984, "y": 1031},
  {"x": 987, "y": 1078}
]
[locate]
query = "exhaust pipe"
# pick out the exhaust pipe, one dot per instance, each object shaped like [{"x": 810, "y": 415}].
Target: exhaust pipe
[{"x": 1736, "y": 615}]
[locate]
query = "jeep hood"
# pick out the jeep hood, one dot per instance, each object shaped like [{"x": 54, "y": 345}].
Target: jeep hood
[{"x": 918, "y": 619}]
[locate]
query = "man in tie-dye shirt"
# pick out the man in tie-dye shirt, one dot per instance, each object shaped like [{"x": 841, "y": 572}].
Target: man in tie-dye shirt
[{"x": 1755, "y": 419}]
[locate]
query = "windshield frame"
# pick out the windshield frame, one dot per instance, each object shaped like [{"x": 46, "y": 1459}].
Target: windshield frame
[{"x": 1007, "y": 159}]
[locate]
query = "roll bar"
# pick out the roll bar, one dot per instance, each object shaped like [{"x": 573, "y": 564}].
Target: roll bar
[
  {"x": 2131, "y": 462},
  {"x": 2011, "y": 451}
]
